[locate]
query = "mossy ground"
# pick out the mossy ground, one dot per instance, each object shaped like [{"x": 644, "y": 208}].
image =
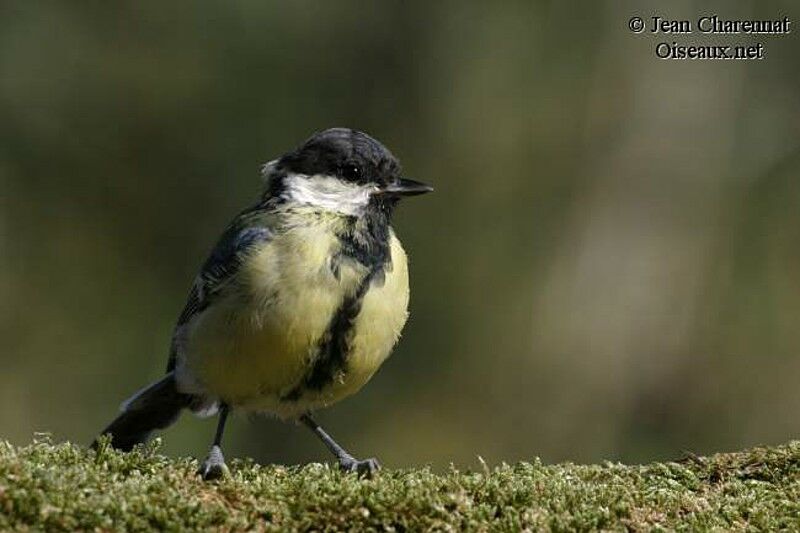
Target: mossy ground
[{"x": 45, "y": 486}]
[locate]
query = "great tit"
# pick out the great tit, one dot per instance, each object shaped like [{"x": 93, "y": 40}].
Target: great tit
[{"x": 298, "y": 304}]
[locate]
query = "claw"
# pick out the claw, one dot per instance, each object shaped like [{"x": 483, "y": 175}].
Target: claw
[
  {"x": 365, "y": 468},
  {"x": 214, "y": 466}
]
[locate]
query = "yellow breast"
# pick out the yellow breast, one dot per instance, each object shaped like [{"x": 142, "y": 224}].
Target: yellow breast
[
  {"x": 259, "y": 340},
  {"x": 384, "y": 311}
]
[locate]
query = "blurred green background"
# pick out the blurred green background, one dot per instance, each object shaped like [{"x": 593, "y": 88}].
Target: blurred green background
[{"x": 609, "y": 268}]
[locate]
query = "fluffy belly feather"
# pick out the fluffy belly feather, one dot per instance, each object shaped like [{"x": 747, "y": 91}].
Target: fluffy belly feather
[{"x": 255, "y": 347}]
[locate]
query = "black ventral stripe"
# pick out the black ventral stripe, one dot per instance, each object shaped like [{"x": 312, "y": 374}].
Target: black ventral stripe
[
  {"x": 367, "y": 242},
  {"x": 333, "y": 350}
]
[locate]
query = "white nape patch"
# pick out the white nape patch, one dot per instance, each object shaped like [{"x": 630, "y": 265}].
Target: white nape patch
[
  {"x": 328, "y": 192},
  {"x": 267, "y": 169}
]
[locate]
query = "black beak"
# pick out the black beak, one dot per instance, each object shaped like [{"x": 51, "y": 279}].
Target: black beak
[{"x": 406, "y": 187}]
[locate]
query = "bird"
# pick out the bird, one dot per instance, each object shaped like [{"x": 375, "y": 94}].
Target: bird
[{"x": 300, "y": 301}]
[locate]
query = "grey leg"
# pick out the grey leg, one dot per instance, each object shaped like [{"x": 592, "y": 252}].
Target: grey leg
[
  {"x": 214, "y": 466},
  {"x": 347, "y": 462}
]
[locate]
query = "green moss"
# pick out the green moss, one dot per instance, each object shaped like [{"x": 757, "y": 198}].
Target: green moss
[{"x": 64, "y": 487}]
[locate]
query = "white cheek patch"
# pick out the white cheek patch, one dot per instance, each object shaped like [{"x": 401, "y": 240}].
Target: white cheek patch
[{"x": 328, "y": 192}]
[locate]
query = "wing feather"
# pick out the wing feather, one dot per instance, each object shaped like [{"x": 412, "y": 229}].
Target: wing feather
[{"x": 247, "y": 230}]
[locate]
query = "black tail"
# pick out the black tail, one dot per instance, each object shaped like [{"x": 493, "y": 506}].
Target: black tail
[{"x": 155, "y": 407}]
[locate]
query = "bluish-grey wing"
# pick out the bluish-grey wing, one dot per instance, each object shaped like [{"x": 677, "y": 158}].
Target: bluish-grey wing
[{"x": 221, "y": 266}]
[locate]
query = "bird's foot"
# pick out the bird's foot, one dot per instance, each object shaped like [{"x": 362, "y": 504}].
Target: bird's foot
[
  {"x": 214, "y": 466},
  {"x": 365, "y": 468}
]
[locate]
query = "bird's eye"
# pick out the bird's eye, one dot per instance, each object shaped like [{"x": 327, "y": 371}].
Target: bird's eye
[{"x": 350, "y": 172}]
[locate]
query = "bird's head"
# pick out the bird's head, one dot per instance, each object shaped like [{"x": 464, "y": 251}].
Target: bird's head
[{"x": 340, "y": 170}]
